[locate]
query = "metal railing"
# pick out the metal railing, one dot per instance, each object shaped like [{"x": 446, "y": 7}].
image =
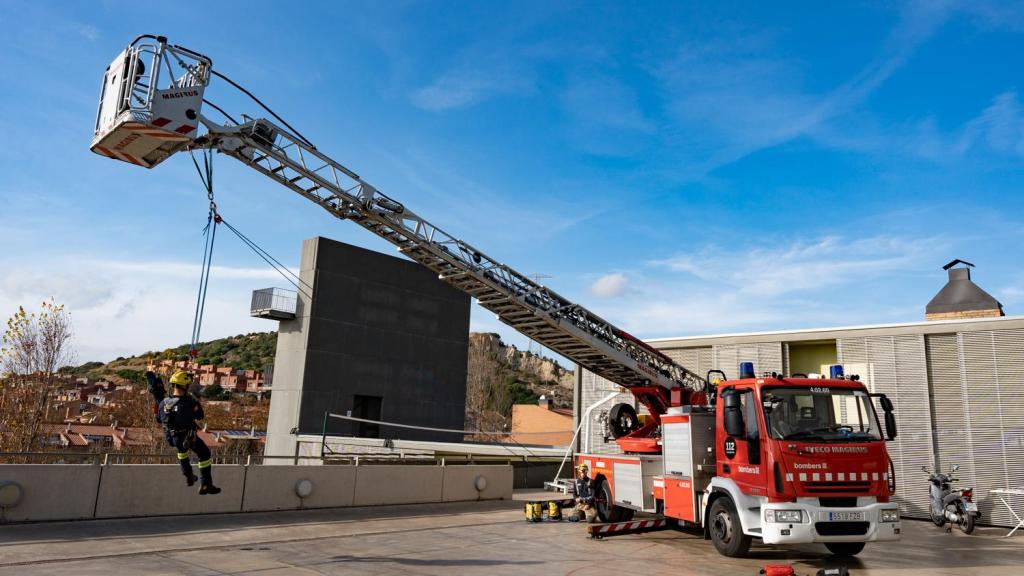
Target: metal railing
[{"x": 274, "y": 302}]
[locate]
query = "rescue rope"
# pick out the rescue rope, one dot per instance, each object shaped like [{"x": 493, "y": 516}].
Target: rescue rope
[
  {"x": 213, "y": 219},
  {"x": 286, "y": 273},
  {"x": 209, "y": 236}
]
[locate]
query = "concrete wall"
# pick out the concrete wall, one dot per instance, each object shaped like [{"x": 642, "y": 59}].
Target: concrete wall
[
  {"x": 73, "y": 492},
  {"x": 273, "y": 487},
  {"x": 52, "y": 491},
  {"x": 160, "y": 490},
  {"x": 377, "y": 326}
]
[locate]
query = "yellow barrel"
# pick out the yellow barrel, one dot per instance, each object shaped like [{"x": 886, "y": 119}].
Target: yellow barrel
[
  {"x": 534, "y": 511},
  {"x": 554, "y": 510}
]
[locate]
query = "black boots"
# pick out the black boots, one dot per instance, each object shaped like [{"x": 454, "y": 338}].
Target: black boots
[
  {"x": 186, "y": 469},
  {"x": 207, "y": 486}
]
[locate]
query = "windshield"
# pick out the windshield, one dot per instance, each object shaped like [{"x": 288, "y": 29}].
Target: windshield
[{"x": 820, "y": 414}]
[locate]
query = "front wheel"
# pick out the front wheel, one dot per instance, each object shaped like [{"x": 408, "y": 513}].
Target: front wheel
[
  {"x": 606, "y": 510},
  {"x": 844, "y": 548},
  {"x": 726, "y": 531},
  {"x": 937, "y": 519}
]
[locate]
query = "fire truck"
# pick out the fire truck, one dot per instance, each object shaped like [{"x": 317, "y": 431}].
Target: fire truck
[
  {"x": 786, "y": 460},
  {"x": 782, "y": 459}
]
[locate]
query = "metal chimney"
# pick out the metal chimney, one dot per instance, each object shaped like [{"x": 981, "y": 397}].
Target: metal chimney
[{"x": 961, "y": 297}]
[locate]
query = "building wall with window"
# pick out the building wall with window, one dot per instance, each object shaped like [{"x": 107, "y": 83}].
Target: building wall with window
[
  {"x": 957, "y": 387},
  {"x": 375, "y": 337}
]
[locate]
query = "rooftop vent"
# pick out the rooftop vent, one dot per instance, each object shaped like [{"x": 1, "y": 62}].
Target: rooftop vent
[{"x": 961, "y": 298}]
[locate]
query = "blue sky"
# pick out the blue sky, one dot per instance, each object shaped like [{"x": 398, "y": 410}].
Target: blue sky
[{"x": 679, "y": 168}]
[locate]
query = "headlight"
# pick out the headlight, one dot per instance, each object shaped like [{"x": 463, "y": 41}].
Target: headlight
[
  {"x": 891, "y": 515},
  {"x": 795, "y": 516}
]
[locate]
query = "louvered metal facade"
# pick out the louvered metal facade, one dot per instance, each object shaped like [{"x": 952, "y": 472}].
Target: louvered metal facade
[
  {"x": 957, "y": 386},
  {"x": 895, "y": 366}
]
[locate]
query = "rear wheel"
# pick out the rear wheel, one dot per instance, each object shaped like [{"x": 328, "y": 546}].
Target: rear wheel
[
  {"x": 966, "y": 523},
  {"x": 606, "y": 510},
  {"x": 844, "y": 548},
  {"x": 726, "y": 532}
]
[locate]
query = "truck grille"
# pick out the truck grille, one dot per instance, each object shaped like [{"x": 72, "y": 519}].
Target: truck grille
[
  {"x": 826, "y": 487},
  {"x": 841, "y": 528},
  {"x": 838, "y": 502}
]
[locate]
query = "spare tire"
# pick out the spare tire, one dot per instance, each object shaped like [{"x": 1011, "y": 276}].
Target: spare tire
[{"x": 622, "y": 420}]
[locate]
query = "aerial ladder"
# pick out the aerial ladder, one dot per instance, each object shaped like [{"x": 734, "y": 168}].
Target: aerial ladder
[{"x": 151, "y": 108}]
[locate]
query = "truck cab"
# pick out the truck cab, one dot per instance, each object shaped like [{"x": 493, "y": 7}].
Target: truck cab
[
  {"x": 786, "y": 460},
  {"x": 800, "y": 460}
]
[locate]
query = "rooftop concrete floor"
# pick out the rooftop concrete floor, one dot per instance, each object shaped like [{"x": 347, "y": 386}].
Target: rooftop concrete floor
[{"x": 465, "y": 538}]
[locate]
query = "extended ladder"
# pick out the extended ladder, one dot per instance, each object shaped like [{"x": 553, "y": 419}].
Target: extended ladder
[
  {"x": 149, "y": 112},
  {"x": 532, "y": 309}
]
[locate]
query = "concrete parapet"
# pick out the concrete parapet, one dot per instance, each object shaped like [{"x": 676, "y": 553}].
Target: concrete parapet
[
  {"x": 461, "y": 483},
  {"x": 52, "y": 491},
  {"x": 274, "y": 487},
  {"x": 79, "y": 491},
  {"x": 397, "y": 484},
  {"x": 160, "y": 490}
]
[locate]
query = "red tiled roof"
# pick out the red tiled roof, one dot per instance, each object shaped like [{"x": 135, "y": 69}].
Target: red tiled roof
[{"x": 74, "y": 439}]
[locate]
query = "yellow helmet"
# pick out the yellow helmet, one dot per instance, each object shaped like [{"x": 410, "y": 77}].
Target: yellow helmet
[{"x": 181, "y": 379}]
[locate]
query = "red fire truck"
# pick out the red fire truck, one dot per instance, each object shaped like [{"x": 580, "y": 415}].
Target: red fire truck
[{"x": 785, "y": 460}]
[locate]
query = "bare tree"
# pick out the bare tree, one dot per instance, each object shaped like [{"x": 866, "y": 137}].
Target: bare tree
[{"x": 34, "y": 346}]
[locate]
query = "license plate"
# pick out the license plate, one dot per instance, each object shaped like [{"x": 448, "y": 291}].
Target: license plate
[
  {"x": 971, "y": 507},
  {"x": 845, "y": 516}
]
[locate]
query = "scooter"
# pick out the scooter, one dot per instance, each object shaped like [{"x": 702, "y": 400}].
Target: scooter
[{"x": 955, "y": 505}]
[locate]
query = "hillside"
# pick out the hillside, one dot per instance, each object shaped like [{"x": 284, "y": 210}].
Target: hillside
[
  {"x": 243, "y": 352},
  {"x": 498, "y": 375}
]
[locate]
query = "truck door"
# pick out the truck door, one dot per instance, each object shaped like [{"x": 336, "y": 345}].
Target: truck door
[{"x": 742, "y": 456}]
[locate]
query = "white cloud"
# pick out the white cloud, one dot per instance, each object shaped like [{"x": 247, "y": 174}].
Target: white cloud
[
  {"x": 996, "y": 131},
  {"x": 468, "y": 85},
  {"x": 610, "y": 285},
  {"x": 728, "y": 98},
  {"x": 826, "y": 282},
  {"x": 1012, "y": 294},
  {"x": 88, "y": 31},
  {"x": 122, "y": 307},
  {"x": 803, "y": 266}
]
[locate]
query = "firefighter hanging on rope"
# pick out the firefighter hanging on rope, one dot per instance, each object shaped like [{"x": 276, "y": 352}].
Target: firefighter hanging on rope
[{"x": 178, "y": 413}]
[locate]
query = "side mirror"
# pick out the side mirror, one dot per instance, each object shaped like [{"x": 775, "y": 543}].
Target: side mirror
[
  {"x": 732, "y": 416},
  {"x": 956, "y": 467},
  {"x": 886, "y": 403},
  {"x": 890, "y": 424}
]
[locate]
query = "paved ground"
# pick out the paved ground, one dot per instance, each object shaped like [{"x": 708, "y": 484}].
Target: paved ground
[{"x": 466, "y": 538}]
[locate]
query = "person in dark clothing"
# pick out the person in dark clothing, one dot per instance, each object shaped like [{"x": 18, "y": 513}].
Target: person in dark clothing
[
  {"x": 583, "y": 490},
  {"x": 179, "y": 413}
]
